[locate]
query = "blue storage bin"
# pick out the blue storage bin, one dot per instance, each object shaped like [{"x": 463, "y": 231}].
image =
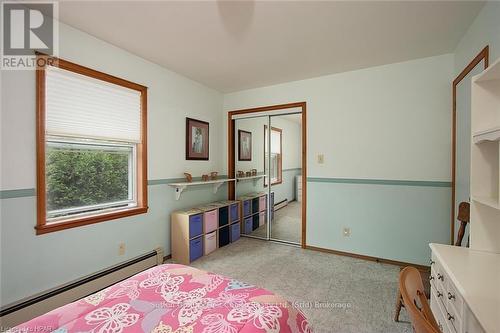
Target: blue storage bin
[
  {"x": 255, "y": 205},
  {"x": 247, "y": 207},
  {"x": 235, "y": 232},
  {"x": 195, "y": 225},
  {"x": 195, "y": 248},
  {"x": 255, "y": 221},
  {"x": 234, "y": 212},
  {"x": 224, "y": 236},
  {"x": 248, "y": 225},
  {"x": 223, "y": 216}
]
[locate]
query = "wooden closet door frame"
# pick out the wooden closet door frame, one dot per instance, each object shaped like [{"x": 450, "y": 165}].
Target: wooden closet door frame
[
  {"x": 483, "y": 55},
  {"x": 231, "y": 154}
]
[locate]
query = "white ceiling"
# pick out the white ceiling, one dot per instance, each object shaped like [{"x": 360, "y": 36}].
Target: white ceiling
[{"x": 231, "y": 46}]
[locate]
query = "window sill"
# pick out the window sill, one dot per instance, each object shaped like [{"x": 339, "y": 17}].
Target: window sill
[{"x": 77, "y": 222}]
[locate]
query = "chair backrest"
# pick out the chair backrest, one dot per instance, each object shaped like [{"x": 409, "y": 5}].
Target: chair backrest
[
  {"x": 464, "y": 218},
  {"x": 464, "y": 212},
  {"x": 413, "y": 293}
]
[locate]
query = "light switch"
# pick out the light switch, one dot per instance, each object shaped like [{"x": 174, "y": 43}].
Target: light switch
[{"x": 321, "y": 158}]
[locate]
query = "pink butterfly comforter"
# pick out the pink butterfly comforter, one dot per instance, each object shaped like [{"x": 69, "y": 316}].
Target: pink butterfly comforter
[{"x": 174, "y": 298}]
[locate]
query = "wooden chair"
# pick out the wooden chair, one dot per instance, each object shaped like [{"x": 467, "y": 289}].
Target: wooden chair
[
  {"x": 416, "y": 304},
  {"x": 464, "y": 218},
  {"x": 427, "y": 287}
]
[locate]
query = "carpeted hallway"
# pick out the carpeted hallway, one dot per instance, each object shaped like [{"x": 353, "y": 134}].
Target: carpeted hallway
[{"x": 359, "y": 294}]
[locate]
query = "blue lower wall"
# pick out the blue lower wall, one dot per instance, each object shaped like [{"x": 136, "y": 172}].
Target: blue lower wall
[
  {"x": 388, "y": 219},
  {"x": 30, "y": 264}
]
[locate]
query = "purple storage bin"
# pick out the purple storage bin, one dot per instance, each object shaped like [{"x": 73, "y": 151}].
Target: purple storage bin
[
  {"x": 195, "y": 248},
  {"x": 235, "y": 232},
  {"x": 234, "y": 212},
  {"x": 247, "y": 207},
  {"x": 248, "y": 225},
  {"x": 195, "y": 225}
]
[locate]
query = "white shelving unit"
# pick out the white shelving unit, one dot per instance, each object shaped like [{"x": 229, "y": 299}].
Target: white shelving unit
[
  {"x": 180, "y": 187},
  {"x": 252, "y": 178},
  {"x": 485, "y": 160}
]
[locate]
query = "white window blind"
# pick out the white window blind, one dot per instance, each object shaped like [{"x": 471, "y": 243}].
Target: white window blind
[{"x": 81, "y": 106}]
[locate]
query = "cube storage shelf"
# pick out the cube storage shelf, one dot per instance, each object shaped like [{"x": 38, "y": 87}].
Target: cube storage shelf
[
  {"x": 198, "y": 231},
  {"x": 254, "y": 211}
]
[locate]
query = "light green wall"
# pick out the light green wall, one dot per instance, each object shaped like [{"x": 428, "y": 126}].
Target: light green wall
[
  {"x": 388, "y": 219},
  {"x": 386, "y": 145},
  {"x": 485, "y": 30},
  {"x": 31, "y": 264}
]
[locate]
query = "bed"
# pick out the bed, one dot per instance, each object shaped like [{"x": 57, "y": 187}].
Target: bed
[{"x": 174, "y": 298}]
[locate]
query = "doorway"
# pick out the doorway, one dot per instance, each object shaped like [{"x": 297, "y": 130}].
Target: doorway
[
  {"x": 461, "y": 137},
  {"x": 267, "y": 156}
]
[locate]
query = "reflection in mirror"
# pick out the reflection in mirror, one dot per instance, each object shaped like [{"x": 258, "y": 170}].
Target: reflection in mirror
[
  {"x": 286, "y": 177},
  {"x": 250, "y": 171},
  {"x": 276, "y": 170}
]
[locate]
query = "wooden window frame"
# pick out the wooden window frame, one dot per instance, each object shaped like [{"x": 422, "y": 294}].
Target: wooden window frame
[
  {"x": 42, "y": 227},
  {"x": 280, "y": 156}
]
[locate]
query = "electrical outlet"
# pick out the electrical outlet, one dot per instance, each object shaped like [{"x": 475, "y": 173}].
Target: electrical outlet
[
  {"x": 321, "y": 158},
  {"x": 347, "y": 232},
  {"x": 121, "y": 249}
]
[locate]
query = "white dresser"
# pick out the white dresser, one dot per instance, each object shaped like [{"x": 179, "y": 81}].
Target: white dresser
[
  {"x": 465, "y": 289},
  {"x": 298, "y": 187}
]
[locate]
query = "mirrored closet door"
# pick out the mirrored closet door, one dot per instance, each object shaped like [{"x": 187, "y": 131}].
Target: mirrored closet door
[
  {"x": 268, "y": 168},
  {"x": 285, "y": 175},
  {"x": 250, "y": 174}
]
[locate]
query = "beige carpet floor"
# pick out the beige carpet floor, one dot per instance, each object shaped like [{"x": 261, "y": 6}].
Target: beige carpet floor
[
  {"x": 360, "y": 294},
  {"x": 287, "y": 224}
]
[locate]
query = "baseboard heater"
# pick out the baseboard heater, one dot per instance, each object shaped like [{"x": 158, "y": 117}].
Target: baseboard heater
[
  {"x": 27, "y": 309},
  {"x": 280, "y": 204}
]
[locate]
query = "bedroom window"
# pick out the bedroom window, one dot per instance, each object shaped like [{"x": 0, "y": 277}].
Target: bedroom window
[
  {"x": 276, "y": 156},
  {"x": 91, "y": 147}
]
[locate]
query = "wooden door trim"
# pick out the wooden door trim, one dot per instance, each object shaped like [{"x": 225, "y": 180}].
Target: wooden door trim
[
  {"x": 483, "y": 55},
  {"x": 231, "y": 154}
]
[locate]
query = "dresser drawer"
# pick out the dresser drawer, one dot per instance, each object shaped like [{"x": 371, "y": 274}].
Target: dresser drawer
[
  {"x": 195, "y": 225},
  {"x": 210, "y": 242},
  {"x": 438, "y": 274},
  {"x": 453, "y": 318},
  {"x": 439, "y": 313},
  {"x": 453, "y": 298},
  {"x": 210, "y": 221}
]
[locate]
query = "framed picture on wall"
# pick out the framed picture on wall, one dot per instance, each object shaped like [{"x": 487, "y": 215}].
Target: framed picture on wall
[
  {"x": 244, "y": 145},
  {"x": 197, "y": 139}
]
